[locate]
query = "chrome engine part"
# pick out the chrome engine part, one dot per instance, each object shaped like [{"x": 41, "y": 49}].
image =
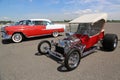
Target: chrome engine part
[{"x": 65, "y": 45}]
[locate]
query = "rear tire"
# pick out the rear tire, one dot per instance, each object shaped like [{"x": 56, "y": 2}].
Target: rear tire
[
  {"x": 110, "y": 42},
  {"x": 42, "y": 47},
  {"x": 72, "y": 59},
  {"x": 55, "y": 34}
]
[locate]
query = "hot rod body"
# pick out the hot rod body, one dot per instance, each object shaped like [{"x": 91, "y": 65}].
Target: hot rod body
[{"x": 85, "y": 34}]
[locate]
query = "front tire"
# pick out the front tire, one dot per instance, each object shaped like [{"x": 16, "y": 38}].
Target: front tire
[
  {"x": 43, "y": 46},
  {"x": 110, "y": 42},
  {"x": 72, "y": 59},
  {"x": 17, "y": 37}
]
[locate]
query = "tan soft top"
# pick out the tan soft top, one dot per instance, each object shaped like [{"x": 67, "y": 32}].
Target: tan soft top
[{"x": 90, "y": 18}]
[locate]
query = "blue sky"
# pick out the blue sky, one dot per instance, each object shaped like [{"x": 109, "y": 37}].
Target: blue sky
[{"x": 56, "y": 9}]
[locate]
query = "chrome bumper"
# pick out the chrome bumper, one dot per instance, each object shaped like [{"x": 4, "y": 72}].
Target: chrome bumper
[{"x": 5, "y": 36}]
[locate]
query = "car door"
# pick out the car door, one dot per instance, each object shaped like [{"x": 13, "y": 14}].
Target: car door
[
  {"x": 29, "y": 29},
  {"x": 40, "y": 30},
  {"x": 91, "y": 41},
  {"x": 45, "y": 28}
]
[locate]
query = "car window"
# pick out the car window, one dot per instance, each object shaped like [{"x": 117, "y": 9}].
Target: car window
[
  {"x": 38, "y": 22},
  {"x": 46, "y": 23},
  {"x": 28, "y": 22},
  {"x": 20, "y": 23},
  {"x": 41, "y": 22},
  {"x": 24, "y": 22}
]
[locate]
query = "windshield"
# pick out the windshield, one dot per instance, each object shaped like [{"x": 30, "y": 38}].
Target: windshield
[
  {"x": 82, "y": 28},
  {"x": 73, "y": 28}
]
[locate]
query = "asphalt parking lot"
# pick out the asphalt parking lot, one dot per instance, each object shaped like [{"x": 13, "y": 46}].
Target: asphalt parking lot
[{"x": 18, "y": 61}]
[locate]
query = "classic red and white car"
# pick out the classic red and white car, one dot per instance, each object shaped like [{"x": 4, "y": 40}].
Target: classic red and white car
[
  {"x": 86, "y": 32},
  {"x": 31, "y": 28}
]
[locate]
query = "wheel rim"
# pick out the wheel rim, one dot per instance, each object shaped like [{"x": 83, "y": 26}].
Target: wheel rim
[
  {"x": 17, "y": 37},
  {"x": 115, "y": 43},
  {"x": 73, "y": 60},
  {"x": 44, "y": 47},
  {"x": 55, "y": 34}
]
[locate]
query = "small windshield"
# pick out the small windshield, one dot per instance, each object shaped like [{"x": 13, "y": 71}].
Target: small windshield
[{"x": 82, "y": 28}]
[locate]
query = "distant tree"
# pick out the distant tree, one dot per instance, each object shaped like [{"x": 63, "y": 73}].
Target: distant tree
[
  {"x": 67, "y": 20},
  {"x": 5, "y": 22},
  {"x": 113, "y": 20}
]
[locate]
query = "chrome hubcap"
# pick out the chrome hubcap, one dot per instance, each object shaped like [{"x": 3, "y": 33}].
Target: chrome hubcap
[
  {"x": 44, "y": 47},
  {"x": 115, "y": 43},
  {"x": 17, "y": 37},
  {"x": 55, "y": 34},
  {"x": 74, "y": 59}
]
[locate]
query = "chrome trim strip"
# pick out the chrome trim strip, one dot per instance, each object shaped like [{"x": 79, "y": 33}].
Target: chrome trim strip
[{"x": 37, "y": 35}]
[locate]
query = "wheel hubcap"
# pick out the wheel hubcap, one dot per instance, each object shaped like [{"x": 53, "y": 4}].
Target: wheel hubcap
[
  {"x": 115, "y": 43},
  {"x": 44, "y": 47},
  {"x": 55, "y": 34},
  {"x": 17, "y": 37},
  {"x": 74, "y": 59}
]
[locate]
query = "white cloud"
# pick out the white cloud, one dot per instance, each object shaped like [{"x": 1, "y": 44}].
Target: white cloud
[
  {"x": 76, "y": 13},
  {"x": 114, "y": 15},
  {"x": 77, "y": 2},
  {"x": 81, "y": 12},
  {"x": 30, "y": 0},
  {"x": 5, "y": 18},
  {"x": 56, "y": 1},
  {"x": 75, "y": 8},
  {"x": 87, "y": 1},
  {"x": 53, "y": 1},
  {"x": 79, "y": 7}
]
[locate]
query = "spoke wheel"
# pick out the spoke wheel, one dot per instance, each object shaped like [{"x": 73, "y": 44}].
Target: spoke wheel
[
  {"x": 72, "y": 59},
  {"x": 43, "y": 46}
]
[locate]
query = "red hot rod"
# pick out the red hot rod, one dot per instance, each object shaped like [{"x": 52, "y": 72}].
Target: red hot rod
[{"x": 85, "y": 34}]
